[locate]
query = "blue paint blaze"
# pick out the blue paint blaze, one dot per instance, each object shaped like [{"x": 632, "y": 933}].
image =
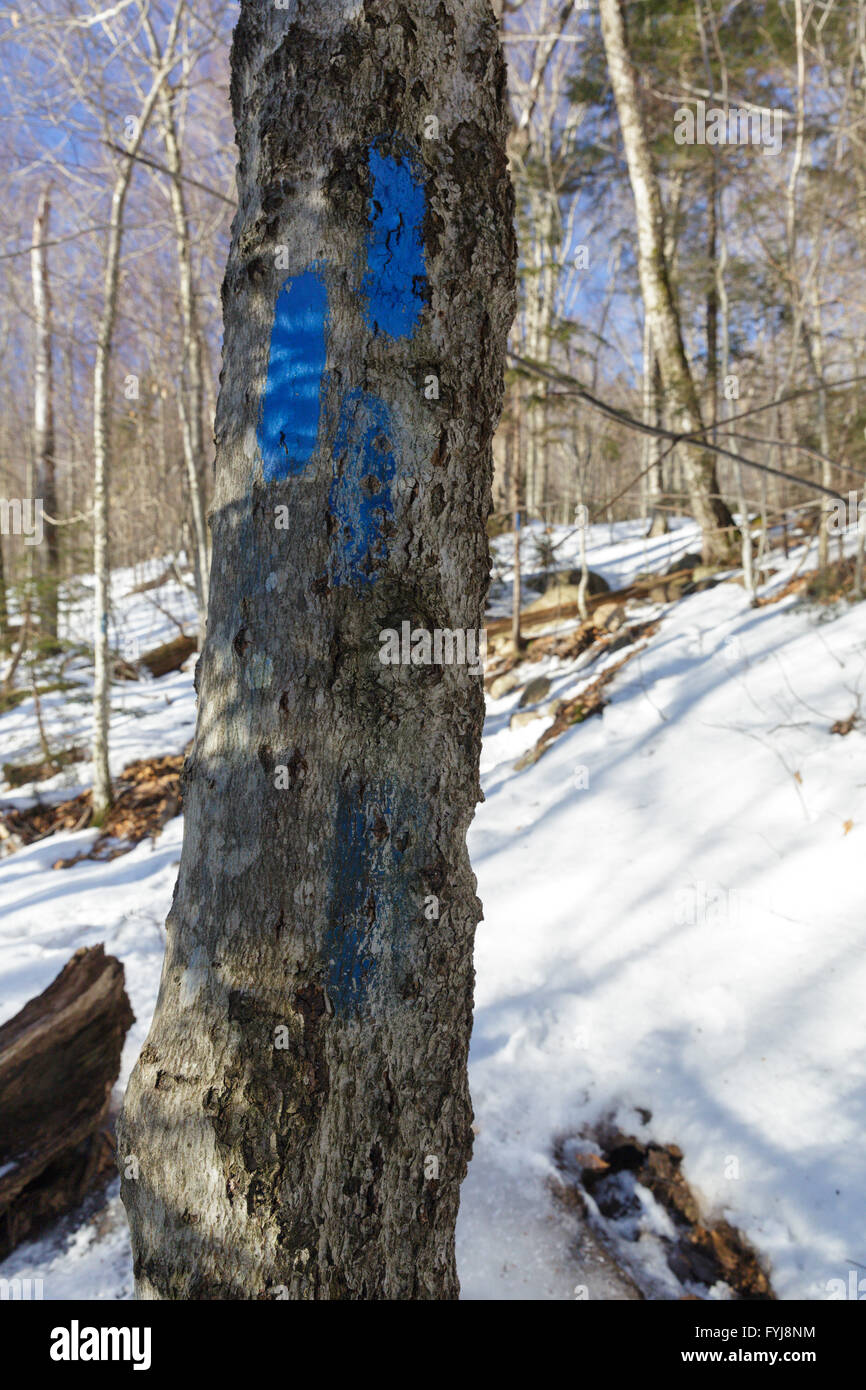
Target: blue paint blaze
[
  {"x": 396, "y": 273},
  {"x": 291, "y": 403},
  {"x": 360, "y": 497},
  {"x": 350, "y": 965},
  {"x": 371, "y": 905}
]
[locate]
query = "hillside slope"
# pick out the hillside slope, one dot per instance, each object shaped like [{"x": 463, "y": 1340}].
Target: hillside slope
[{"x": 673, "y": 932}]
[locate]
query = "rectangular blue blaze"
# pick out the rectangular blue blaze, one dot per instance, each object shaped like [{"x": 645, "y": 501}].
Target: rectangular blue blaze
[
  {"x": 291, "y": 402},
  {"x": 371, "y": 902},
  {"x": 396, "y": 271},
  {"x": 360, "y": 497},
  {"x": 350, "y": 964}
]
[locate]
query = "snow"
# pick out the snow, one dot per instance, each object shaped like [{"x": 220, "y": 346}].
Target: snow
[
  {"x": 684, "y": 934},
  {"x": 148, "y": 718}
]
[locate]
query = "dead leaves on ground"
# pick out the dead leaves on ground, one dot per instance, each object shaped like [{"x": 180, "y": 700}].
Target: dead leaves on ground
[
  {"x": 590, "y": 701},
  {"x": 146, "y": 795}
]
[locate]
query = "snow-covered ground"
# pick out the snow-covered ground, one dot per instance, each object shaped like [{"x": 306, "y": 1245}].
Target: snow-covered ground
[{"x": 673, "y": 922}]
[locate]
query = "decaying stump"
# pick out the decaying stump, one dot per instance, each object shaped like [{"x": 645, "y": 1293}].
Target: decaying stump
[{"x": 59, "y": 1058}]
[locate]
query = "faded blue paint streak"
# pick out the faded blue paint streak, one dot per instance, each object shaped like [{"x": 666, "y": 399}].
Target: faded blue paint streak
[
  {"x": 370, "y": 891},
  {"x": 350, "y": 965},
  {"x": 291, "y": 403},
  {"x": 396, "y": 274},
  {"x": 360, "y": 497}
]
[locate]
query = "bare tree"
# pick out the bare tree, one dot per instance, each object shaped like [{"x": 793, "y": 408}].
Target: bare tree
[
  {"x": 660, "y": 306},
  {"x": 43, "y": 419},
  {"x": 4, "y": 605},
  {"x": 190, "y": 391},
  {"x": 101, "y": 424}
]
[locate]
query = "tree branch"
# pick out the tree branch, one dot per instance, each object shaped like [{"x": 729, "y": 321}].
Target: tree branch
[{"x": 631, "y": 422}]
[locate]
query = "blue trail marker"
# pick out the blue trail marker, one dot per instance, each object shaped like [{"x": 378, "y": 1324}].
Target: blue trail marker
[
  {"x": 350, "y": 964},
  {"x": 395, "y": 278},
  {"x": 291, "y": 403},
  {"x": 392, "y": 292},
  {"x": 360, "y": 498},
  {"x": 371, "y": 896}
]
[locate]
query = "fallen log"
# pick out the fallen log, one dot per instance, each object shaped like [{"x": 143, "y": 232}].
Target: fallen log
[
  {"x": 59, "y": 1059},
  {"x": 168, "y": 657},
  {"x": 591, "y": 699},
  {"x": 533, "y": 616},
  {"x": 157, "y": 582}
]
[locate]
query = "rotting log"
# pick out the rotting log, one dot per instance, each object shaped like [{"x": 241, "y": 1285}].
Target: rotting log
[
  {"x": 59, "y": 1059},
  {"x": 169, "y": 657}
]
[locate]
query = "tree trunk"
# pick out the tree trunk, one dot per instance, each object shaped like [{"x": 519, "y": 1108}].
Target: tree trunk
[
  {"x": 660, "y": 306},
  {"x": 101, "y": 455},
  {"x": 300, "y": 1111},
  {"x": 814, "y": 337},
  {"x": 5, "y": 635},
  {"x": 712, "y": 304},
  {"x": 43, "y": 421},
  {"x": 190, "y": 387},
  {"x": 517, "y": 643},
  {"x": 101, "y": 558},
  {"x": 651, "y": 462}
]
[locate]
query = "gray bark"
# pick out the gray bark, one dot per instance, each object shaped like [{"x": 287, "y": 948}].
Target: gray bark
[
  {"x": 814, "y": 340},
  {"x": 651, "y": 460},
  {"x": 327, "y": 796}
]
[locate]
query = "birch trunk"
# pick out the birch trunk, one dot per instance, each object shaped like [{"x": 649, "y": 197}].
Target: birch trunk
[
  {"x": 814, "y": 336},
  {"x": 651, "y": 461},
  {"x": 101, "y": 557},
  {"x": 191, "y": 387},
  {"x": 517, "y": 643},
  {"x": 660, "y": 307},
  {"x": 43, "y": 422},
  {"x": 101, "y": 444},
  {"x": 300, "y": 1116}
]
